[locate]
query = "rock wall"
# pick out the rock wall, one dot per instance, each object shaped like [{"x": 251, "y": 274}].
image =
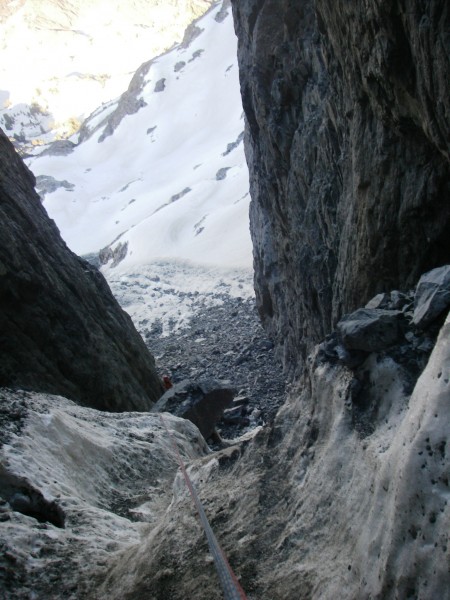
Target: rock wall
[
  {"x": 346, "y": 107},
  {"x": 61, "y": 330}
]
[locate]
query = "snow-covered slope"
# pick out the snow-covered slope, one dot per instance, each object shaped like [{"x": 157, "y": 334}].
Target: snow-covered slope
[
  {"x": 64, "y": 58},
  {"x": 171, "y": 181}
]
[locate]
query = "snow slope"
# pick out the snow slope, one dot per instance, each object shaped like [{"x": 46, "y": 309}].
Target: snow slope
[
  {"x": 171, "y": 182},
  {"x": 67, "y": 57}
]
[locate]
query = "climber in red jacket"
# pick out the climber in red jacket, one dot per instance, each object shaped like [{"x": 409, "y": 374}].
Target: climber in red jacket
[{"x": 167, "y": 383}]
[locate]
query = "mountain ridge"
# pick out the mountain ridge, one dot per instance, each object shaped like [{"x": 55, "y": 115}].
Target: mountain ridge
[{"x": 177, "y": 187}]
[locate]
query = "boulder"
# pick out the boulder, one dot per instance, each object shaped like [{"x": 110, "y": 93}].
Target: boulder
[
  {"x": 369, "y": 329},
  {"x": 379, "y": 301},
  {"x": 432, "y": 296},
  {"x": 201, "y": 402},
  {"x": 395, "y": 300}
]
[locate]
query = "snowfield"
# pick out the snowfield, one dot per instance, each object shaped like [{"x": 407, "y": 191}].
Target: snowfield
[
  {"x": 66, "y": 58},
  {"x": 171, "y": 292},
  {"x": 171, "y": 182}
]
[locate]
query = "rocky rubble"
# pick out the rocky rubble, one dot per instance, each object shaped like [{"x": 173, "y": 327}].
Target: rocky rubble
[{"x": 225, "y": 341}]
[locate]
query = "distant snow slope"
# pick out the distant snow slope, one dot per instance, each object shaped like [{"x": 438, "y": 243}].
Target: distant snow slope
[
  {"x": 171, "y": 181},
  {"x": 67, "y": 57}
]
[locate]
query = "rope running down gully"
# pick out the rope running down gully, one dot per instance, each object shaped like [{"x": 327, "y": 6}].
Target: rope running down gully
[{"x": 230, "y": 585}]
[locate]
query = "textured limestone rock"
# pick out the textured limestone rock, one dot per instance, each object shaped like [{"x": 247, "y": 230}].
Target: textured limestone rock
[
  {"x": 347, "y": 146},
  {"x": 370, "y": 329},
  {"x": 46, "y": 184},
  {"x": 61, "y": 330}
]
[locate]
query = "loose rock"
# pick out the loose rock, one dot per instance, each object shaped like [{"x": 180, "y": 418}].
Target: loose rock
[
  {"x": 369, "y": 329},
  {"x": 202, "y": 402},
  {"x": 432, "y": 296}
]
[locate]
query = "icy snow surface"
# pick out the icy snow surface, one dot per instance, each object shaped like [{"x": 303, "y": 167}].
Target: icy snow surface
[
  {"x": 171, "y": 292},
  {"x": 172, "y": 181}
]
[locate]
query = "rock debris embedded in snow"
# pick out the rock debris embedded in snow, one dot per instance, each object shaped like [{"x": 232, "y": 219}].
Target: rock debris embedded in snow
[
  {"x": 202, "y": 324},
  {"x": 228, "y": 342}
]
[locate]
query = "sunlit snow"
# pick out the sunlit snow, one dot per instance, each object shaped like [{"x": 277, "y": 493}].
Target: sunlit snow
[
  {"x": 69, "y": 56},
  {"x": 172, "y": 181}
]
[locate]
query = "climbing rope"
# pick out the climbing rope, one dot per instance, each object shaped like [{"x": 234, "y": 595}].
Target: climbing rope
[{"x": 228, "y": 580}]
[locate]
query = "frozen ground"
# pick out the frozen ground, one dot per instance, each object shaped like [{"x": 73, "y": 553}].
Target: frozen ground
[
  {"x": 109, "y": 476},
  {"x": 166, "y": 294}
]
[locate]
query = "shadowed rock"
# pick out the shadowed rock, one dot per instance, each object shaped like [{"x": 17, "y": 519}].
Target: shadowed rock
[
  {"x": 432, "y": 296},
  {"x": 61, "y": 330},
  {"x": 346, "y": 108},
  {"x": 201, "y": 402},
  {"x": 369, "y": 329}
]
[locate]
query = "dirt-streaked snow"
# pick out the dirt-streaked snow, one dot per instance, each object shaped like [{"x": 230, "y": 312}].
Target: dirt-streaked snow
[{"x": 111, "y": 474}]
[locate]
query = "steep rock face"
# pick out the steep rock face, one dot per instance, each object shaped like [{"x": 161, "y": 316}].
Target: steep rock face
[
  {"x": 61, "y": 330},
  {"x": 346, "y": 108}
]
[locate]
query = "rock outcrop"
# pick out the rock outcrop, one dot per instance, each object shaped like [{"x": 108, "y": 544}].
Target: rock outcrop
[
  {"x": 61, "y": 330},
  {"x": 347, "y": 147}
]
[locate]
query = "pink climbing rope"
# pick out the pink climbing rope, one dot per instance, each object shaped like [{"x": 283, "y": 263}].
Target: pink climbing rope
[{"x": 230, "y": 585}]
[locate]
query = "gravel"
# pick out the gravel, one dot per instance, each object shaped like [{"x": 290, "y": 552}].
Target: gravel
[{"x": 227, "y": 342}]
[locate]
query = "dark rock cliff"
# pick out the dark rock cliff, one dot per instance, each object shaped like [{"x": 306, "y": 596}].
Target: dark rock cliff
[
  {"x": 347, "y": 110},
  {"x": 61, "y": 330}
]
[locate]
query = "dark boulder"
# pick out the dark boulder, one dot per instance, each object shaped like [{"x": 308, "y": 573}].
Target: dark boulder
[
  {"x": 432, "y": 296},
  {"x": 370, "y": 329},
  {"x": 61, "y": 330},
  {"x": 201, "y": 402}
]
